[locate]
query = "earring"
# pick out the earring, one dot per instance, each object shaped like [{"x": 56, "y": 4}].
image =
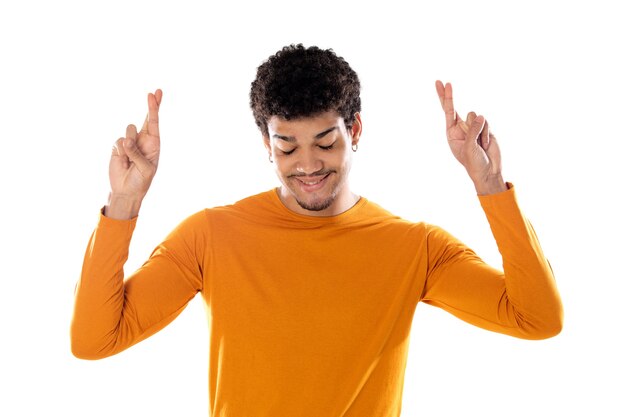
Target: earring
[
  {"x": 269, "y": 157},
  {"x": 355, "y": 147}
]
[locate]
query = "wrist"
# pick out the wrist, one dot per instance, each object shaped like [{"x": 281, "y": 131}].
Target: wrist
[
  {"x": 491, "y": 185},
  {"x": 122, "y": 207}
]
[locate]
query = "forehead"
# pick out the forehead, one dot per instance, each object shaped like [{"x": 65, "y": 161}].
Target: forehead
[{"x": 304, "y": 125}]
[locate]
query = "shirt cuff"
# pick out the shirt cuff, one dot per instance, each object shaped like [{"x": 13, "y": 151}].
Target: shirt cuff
[
  {"x": 500, "y": 201},
  {"x": 123, "y": 226}
]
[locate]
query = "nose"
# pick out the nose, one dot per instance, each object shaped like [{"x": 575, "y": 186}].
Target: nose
[{"x": 309, "y": 163}]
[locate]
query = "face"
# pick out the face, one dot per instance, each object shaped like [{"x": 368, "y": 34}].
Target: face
[{"x": 313, "y": 156}]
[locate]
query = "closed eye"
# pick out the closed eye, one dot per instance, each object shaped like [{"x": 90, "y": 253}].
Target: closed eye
[{"x": 327, "y": 148}]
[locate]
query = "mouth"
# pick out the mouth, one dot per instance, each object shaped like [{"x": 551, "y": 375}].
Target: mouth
[{"x": 311, "y": 183}]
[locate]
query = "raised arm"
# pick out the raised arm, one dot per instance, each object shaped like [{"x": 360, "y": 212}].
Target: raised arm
[
  {"x": 522, "y": 300},
  {"x": 112, "y": 313}
]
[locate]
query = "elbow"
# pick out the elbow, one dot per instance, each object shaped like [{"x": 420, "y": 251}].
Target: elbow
[
  {"x": 86, "y": 353},
  {"x": 550, "y": 326},
  {"x": 86, "y": 345},
  {"x": 554, "y": 323},
  {"x": 79, "y": 348},
  {"x": 82, "y": 348},
  {"x": 549, "y": 331},
  {"x": 544, "y": 321},
  {"x": 82, "y": 351},
  {"x": 558, "y": 325}
]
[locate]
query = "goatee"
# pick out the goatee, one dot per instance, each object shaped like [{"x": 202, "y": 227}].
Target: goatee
[{"x": 317, "y": 205}]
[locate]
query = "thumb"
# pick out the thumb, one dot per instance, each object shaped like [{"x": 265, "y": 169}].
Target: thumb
[
  {"x": 475, "y": 129},
  {"x": 135, "y": 155}
]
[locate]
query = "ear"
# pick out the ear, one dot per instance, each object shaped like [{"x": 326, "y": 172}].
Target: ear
[
  {"x": 266, "y": 143},
  {"x": 357, "y": 128}
]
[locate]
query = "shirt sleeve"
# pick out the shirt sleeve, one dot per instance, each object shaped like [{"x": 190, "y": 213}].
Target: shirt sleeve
[
  {"x": 112, "y": 313},
  {"x": 521, "y": 301}
]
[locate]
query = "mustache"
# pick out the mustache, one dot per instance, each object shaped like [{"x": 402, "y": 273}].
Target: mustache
[{"x": 320, "y": 173}]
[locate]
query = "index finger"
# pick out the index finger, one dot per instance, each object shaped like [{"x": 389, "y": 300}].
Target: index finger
[{"x": 447, "y": 103}]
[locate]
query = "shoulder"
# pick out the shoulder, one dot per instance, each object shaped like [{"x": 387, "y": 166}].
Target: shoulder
[
  {"x": 212, "y": 219},
  {"x": 256, "y": 205},
  {"x": 202, "y": 225},
  {"x": 377, "y": 215}
]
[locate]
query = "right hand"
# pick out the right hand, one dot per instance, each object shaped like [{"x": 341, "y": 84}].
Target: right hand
[{"x": 134, "y": 161}]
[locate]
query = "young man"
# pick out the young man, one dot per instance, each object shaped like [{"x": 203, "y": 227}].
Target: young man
[{"x": 310, "y": 288}]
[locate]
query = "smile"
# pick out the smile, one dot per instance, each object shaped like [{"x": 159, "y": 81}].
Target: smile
[{"x": 312, "y": 183}]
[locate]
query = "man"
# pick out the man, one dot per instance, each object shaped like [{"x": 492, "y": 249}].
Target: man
[{"x": 310, "y": 288}]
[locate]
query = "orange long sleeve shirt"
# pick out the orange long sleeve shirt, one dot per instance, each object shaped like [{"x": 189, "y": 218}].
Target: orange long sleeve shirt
[{"x": 310, "y": 316}]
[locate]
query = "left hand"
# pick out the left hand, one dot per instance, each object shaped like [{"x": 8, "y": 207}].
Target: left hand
[{"x": 472, "y": 144}]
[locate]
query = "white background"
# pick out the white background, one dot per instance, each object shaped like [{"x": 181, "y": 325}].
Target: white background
[{"x": 549, "y": 77}]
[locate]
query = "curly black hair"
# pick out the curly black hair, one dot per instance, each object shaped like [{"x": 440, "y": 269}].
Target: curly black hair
[{"x": 300, "y": 82}]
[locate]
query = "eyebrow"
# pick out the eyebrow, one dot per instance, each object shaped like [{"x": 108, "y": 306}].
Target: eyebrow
[{"x": 293, "y": 138}]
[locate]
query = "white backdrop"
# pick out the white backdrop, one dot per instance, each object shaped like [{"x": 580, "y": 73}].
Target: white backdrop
[{"x": 549, "y": 77}]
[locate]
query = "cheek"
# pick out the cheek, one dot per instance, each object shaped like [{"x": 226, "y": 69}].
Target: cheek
[
  {"x": 282, "y": 166},
  {"x": 347, "y": 158}
]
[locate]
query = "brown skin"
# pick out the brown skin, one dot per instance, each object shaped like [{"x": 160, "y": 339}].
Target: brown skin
[
  {"x": 312, "y": 156},
  {"x": 473, "y": 145},
  {"x": 133, "y": 164}
]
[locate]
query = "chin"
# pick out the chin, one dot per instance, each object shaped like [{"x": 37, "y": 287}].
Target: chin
[
  {"x": 317, "y": 205},
  {"x": 314, "y": 202}
]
